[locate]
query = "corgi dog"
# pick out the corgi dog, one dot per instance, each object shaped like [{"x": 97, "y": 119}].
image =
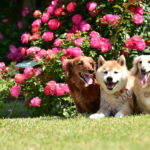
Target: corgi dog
[
  {"x": 116, "y": 86},
  {"x": 141, "y": 71}
]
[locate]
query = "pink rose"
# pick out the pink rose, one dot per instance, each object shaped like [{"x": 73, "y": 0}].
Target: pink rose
[
  {"x": 94, "y": 34},
  {"x": 50, "y": 88},
  {"x": 73, "y": 52},
  {"x": 37, "y": 71},
  {"x": 50, "y": 10},
  {"x": 91, "y": 5},
  {"x": 59, "y": 90},
  {"x": 5, "y": 20},
  {"x": 71, "y": 7},
  {"x": 19, "y": 78},
  {"x": 54, "y": 24},
  {"x": 35, "y": 36},
  {"x": 110, "y": 19},
  {"x": 25, "y": 38},
  {"x": 28, "y": 72},
  {"x": 94, "y": 42},
  {"x": 78, "y": 42},
  {"x": 76, "y": 19},
  {"x": 84, "y": 26},
  {"x": 25, "y": 12},
  {"x": 58, "y": 42},
  {"x": 48, "y": 36},
  {"x": 137, "y": 19},
  {"x": 59, "y": 12},
  {"x": 139, "y": 10},
  {"x": 32, "y": 51},
  {"x": 135, "y": 42},
  {"x": 20, "y": 24},
  {"x": 35, "y": 102},
  {"x": 45, "y": 17},
  {"x": 36, "y": 23},
  {"x": 15, "y": 91},
  {"x": 37, "y": 13},
  {"x": 2, "y": 65}
]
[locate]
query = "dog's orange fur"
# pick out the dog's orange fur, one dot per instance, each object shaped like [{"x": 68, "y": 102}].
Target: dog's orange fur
[{"x": 86, "y": 97}]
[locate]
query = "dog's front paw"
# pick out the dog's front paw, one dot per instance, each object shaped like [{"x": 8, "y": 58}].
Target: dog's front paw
[
  {"x": 119, "y": 115},
  {"x": 97, "y": 116}
]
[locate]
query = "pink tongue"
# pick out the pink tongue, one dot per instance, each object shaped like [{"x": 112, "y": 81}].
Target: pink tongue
[
  {"x": 88, "y": 80},
  {"x": 144, "y": 79},
  {"x": 110, "y": 86}
]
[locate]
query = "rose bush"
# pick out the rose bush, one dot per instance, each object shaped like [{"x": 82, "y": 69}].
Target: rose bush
[{"x": 67, "y": 29}]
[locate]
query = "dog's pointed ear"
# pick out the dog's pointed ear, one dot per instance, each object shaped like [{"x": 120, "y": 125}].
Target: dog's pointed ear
[
  {"x": 121, "y": 60},
  {"x": 101, "y": 60},
  {"x": 134, "y": 69}
]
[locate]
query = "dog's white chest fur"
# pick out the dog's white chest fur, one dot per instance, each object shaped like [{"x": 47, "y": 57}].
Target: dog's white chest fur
[
  {"x": 145, "y": 96},
  {"x": 114, "y": 102}
]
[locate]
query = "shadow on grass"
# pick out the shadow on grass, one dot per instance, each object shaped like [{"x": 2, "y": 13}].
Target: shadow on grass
[{"x": 15, "y": 109}]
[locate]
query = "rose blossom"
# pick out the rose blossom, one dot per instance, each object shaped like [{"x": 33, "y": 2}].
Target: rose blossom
[
  {"x": 36, "y": 23},
  {"x": 20, "y": 24},
  {"x": 58, "y": 42},
  {"x": 50, "y": 88},
  {"x": 25, "y": 12},
  {"x": 35, "y": 36},
  {"x": 50, "y": 10},
  {"x": 84, "y": 26},
  {"x": 94, "y": 34},
  {"x": 77, "y": 18},
  {"x": 73, "y": 52},
  {"x": 25, "y": 38},
  {"x": 33, "y": 50},
  {"x": 94, "y": 42},
  {"x": 59, "y": 12},
  {"x": 71, "y": 7},
  {"x": 78, "y": 42},
  {"x": 37, "y": 13},
  {"x": 91, "y": 5},
  {"x": 15, "y": 91},
  {"x": 48, "y": 36},
  {"x": 54, "y": 24},
  {"x": 2, "y": 65},
  {"x": 35, "y": 102},
  {"x": 19, "y": 78},
  {"x": 59, "y": 90},
  {"x": 110, "y": 19},
  {"x": 137, "y": 19},
  {"x": 36, "y": 71},
  {"x": 45, "y": 17},
  {"x": 28, "y": 72},
  {"x": 135, "y": 42}
]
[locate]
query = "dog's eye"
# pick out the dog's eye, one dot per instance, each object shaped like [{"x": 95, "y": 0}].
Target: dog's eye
[
  {"x": 105, "y": 72},
  {"x": 140, "y": 62},
  {"x": 115, "y": 72},
  {"x": 91, "y": 64},
  {"x": 149, "y": 62},
  {"x": 80, "y": 63}
]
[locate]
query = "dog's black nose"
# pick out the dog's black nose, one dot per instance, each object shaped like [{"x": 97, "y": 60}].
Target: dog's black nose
[
  {"x": 109, "y": 79},
  {"x": 91, "y": 71},
  {"x": 143, "y": 70}
]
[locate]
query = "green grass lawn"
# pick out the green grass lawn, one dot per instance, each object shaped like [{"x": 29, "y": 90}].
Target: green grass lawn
[{"x": 79, "y": 133}]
